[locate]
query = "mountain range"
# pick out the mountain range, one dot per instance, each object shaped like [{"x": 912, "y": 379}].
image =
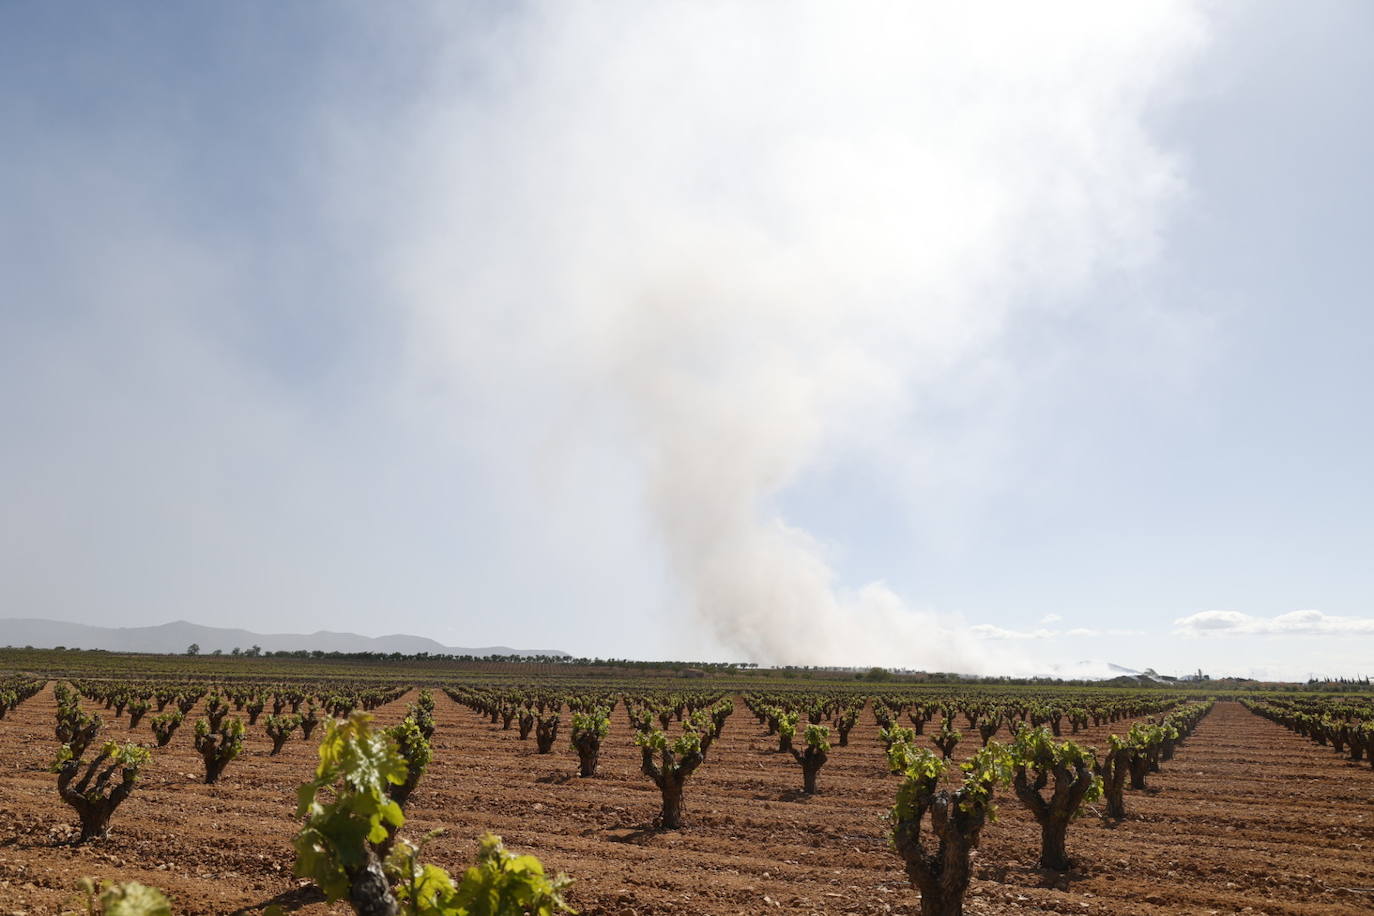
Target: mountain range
[{"x": 175, "y": 637}]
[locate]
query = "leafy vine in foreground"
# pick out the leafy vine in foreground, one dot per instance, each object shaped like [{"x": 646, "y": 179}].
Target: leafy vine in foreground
[{"x": 348, "y": 826}]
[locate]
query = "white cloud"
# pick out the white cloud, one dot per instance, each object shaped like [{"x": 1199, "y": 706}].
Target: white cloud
[
  {"x": 1295, "y": 623},
  {"x": 1050, "y": 618}
]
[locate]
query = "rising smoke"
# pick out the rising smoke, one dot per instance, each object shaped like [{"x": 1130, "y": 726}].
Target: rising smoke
[{"x": 735, "y": 241}]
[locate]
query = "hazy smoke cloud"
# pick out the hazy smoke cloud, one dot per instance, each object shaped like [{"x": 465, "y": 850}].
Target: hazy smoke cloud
[
  {"x": 737, "y": 241},
  {"x": 989, "y": 631}
]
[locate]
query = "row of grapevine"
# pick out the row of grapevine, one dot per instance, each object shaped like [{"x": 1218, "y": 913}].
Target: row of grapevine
[
  {"x": 1344, "y": 724},
  {"x": 989, "y": 712},
  {"x": 15, "y": 689},
  {"x": 339, "y": 699}
]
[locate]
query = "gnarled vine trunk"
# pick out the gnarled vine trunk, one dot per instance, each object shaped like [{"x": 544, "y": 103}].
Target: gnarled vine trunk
[
  {"x": 1140, "y": 766},
  {"x": 670, "y": 778},
  {"x": 811, "y": 761},
  {"x": 93, "y": 807},
  {"x": 588, "y": 753},
  {"x": 1114, "y": 768},
  {"x": 545, "y": 733},
  {"x": 369, "y": 892},
  {"x": 942, "y": 876},
  {"x": 1071, "y": 783}
]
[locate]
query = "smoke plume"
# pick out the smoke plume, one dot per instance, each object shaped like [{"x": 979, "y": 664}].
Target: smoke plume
[{"x": 732, "y": 243}]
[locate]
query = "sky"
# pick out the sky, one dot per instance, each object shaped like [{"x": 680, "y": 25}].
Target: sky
[{"x": 995, "y": 340}]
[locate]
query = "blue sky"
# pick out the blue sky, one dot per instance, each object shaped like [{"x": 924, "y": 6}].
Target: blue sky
[{"x": 994, "y": 343}]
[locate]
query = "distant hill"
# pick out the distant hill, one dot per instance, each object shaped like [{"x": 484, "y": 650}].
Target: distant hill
[{"x": 173, "y": 638}]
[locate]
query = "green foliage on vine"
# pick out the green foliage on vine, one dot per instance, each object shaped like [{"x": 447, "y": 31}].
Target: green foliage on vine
[
  {"x": 596, "y": 723},
  {"x": 500, "y": 883},
  {"x": 894, "y": 735},
  {"x": 127, "y": 899},
  {"x": 817, "y": 737},
  {"x": 983, "y": 772},
  {"x": 683, "y": 746},
  {"x": 128, "y": 757},
  {"x": 357, "y": 763},
  {"x": 1035, "y": 750}
]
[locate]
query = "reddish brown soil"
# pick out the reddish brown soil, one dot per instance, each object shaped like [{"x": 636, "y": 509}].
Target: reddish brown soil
[{"x": 1248, "y": 818}]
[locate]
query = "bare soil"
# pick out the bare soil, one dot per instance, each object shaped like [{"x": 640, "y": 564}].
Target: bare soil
[{"x": 1247, "y": 818}]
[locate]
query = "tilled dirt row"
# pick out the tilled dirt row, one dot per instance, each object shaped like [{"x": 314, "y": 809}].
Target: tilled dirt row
[{"x": 1247, "y": 818}]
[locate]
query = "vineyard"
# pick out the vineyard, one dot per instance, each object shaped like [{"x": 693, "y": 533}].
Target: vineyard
[{"x": 236, "y": 790}]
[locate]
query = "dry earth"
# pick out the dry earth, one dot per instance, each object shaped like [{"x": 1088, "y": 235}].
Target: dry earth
[{"x": 1247, "y": 818}]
